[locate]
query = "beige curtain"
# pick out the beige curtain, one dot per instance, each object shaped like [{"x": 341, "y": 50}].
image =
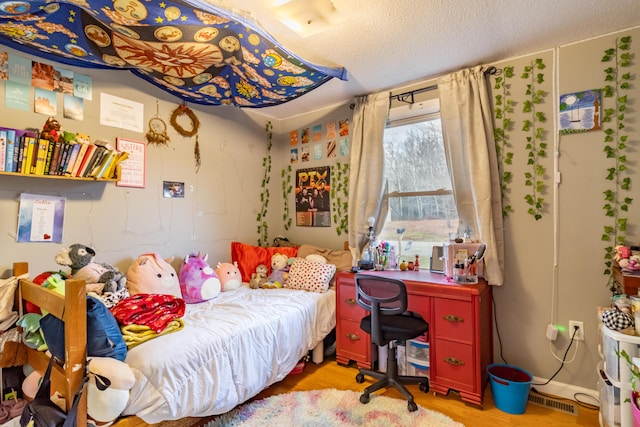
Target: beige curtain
[
  {"x": 367, "y": 185},
  {"x": 467, "y": 127}
]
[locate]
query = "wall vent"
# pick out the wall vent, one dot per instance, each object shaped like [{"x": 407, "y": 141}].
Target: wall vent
[{"x": 551, "y": 403}]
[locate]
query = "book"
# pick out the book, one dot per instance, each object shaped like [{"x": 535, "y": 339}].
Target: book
[
  {"x": 55, "y": 158},
  {"x": 87, "y": 156},
  {"x": 17, "y": 154},
  {"x": 104, "y": 164},
  {"x": 47, "y": 164},
  {"x": 11, "y": 144},
  {"x": 79, "y": 158},
  {"x": 120, "y": 157},
  {"x": 41, "y": 156},
  {"x": 101, "y": 162},
  {"x": 27, "y": 156},
  {"x": 97, "y": 155},
  {"x": 64, "y": 157},
  {"x": 3, "y": 150},
  {"x": 75, "y": 150}
]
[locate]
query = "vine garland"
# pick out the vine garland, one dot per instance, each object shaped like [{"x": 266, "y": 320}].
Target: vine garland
[
  {"x": 340, "y": 196},
  {"x": 195, "y": 125},
  {"x": 503, "y": 109},
  {"x": 263, "y": 228},
  {"x": 535, "y": 141},
  {"x": 287, "y": 189},
  {"x": 615, "y": 139}
]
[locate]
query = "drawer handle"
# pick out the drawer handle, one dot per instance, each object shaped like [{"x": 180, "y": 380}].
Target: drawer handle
[
  {"x": 453, "y": 361},
  {"x": 353, "y": 337},
  {"x": 453, "y": 318},
  {"x": 350, "y": 301}
]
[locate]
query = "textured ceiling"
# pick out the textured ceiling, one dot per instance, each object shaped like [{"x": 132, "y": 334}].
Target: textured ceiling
[{"x": 387, "y": 44}]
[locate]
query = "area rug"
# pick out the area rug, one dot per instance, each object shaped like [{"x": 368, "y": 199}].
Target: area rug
[{"x": 330, "y": 408}]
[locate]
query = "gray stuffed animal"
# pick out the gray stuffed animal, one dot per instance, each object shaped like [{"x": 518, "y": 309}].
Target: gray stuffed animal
[{"x": 80, "y": 258}]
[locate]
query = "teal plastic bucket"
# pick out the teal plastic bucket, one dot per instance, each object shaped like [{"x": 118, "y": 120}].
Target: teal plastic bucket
[{"x": 510, "y": 387}]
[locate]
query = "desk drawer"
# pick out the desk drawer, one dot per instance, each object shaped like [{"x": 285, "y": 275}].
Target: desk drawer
[
  {"x": 453, "y": 319},
  {"x": 453, "y": 365},
  {"x": 349, "y": 308},
  {"x": 353, "y": 343}
]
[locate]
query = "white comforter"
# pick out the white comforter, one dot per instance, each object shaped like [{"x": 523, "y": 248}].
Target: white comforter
[{"x": 230, "y": 349}]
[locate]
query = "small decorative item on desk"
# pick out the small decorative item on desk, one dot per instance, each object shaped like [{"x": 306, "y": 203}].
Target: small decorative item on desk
[{"x": 416, "y": 265}]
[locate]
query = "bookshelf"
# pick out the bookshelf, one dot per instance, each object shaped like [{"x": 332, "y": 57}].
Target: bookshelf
[{"x": 68, "y": 178}]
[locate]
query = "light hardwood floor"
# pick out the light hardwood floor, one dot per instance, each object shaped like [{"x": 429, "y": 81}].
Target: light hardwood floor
[{"x": 331, "y": 375}]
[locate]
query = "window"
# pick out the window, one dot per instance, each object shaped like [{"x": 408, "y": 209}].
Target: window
[{"x": 422, "y": 210}]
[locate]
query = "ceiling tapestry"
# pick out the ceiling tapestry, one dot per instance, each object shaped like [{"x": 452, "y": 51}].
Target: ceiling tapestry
[{"x": 196, "y": 51}]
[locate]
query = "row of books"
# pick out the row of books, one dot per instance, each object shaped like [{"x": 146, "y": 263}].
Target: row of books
[{"x": 23, "y": 151}]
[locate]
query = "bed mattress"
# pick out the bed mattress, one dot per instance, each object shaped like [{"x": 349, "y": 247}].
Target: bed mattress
[{"x": 230, "y": 349}]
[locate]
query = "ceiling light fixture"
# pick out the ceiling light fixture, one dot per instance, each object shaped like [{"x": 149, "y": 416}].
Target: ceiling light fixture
[{"x": 306, "y": 17}]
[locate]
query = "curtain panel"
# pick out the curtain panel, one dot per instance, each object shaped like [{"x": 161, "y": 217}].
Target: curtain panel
[
  {"x": 467, "y": 127},
  {"x": 367, "y": 184}
]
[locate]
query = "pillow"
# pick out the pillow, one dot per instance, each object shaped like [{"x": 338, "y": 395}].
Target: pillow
[
  {"x": 341, "y": 259},
  {"x": 249, "y": 257},
  {"x": 310, "y": 275}
]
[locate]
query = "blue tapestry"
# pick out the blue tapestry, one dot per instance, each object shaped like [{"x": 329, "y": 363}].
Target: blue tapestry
[{"x": 198, "y": 52}]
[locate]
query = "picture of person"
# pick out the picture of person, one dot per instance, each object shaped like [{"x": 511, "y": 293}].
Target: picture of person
[
  {"x": 321, "y": 194},
  {"x": 303, "y": 201}
]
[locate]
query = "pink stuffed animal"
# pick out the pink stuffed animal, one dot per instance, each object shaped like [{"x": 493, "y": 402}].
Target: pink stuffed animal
[
  {"x": 151, "y": 274},
  {"x": 229, "y": 275},
  {"x": 198, "y": 281}
]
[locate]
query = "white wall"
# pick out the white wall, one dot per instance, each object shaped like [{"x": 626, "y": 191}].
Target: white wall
[
  {"x": 219, "y": 206},
  {"x": 553, "y": 266}
]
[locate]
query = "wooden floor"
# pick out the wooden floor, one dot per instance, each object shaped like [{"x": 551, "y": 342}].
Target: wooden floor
[{"x": 331, "y": 375}]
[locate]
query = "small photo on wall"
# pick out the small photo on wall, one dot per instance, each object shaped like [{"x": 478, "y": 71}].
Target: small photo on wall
[
  {"x": 317, "y": 133},
  {"x": 172, "y": 189},
  {"x": 331, "y": 148},
  {"x": 317, "y": 151},
  {"x": 344, "y": 147},
  {"x": 293, "y": 138},
  {"x": 331, "y": 130},
  {"x": 44, "y": 102},
  {"x": 580, "y": 112},
  {"x": 305, "y": 135},
  {"x": 294, "y": 155}
]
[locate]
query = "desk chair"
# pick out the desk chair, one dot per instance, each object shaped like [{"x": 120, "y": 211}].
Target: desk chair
[{"x": 388, "y": 322}]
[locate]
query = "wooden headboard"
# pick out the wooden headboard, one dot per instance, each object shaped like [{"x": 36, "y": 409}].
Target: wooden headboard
[{"x": 71, "y": 309}]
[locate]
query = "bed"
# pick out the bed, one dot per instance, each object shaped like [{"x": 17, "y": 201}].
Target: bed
[{"x": 231, "y": 348}]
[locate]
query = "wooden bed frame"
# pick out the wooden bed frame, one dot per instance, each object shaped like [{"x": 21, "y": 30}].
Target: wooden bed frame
[{"x": 71, "y": 309}]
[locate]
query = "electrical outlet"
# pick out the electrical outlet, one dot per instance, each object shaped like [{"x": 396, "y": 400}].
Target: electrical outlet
[{"x": 579, "y": 336}]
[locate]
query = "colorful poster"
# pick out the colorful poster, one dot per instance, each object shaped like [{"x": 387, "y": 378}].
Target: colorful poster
[
  {"x": 45, "y": 102},
  {"x": 20, "y": 70},
  {"x": 17, "y": 95},
  {"x": 331, "y": 148},
  {"x": 42, "y": 75},
  {"x": 317, "y": 133},
  {"x": 73, "y": 107},
  {"x": 331, "y": 130},
  {"x": 293, "y": 138},
  {"x": 134, "y": 168},
  {"x": 344, "y": 127},
  {"x": 580, "y": 112},
  {"x": 344, "y": 147},
  {"x": 82, "y": 86},
  {"x": 63, "y": 80},
  {"x": 4, "y": 65},
  {"x": 313, "y": 197},
  {"x": 294, "y": 155},
  {"x": 41, "y": 218},
  {"x": 304, "y": 135}
]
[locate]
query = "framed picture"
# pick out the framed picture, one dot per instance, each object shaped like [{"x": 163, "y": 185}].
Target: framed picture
[
  {"x": 134, "y": 167},
  {"x": 172, "y": 189}
]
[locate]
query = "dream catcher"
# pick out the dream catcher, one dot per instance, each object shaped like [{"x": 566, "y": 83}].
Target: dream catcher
[
  {"x": 183, "y": 110},
  {"x": 157, "y": 134}
]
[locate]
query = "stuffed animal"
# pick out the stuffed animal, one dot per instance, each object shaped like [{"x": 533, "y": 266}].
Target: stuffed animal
[
  {"x": 80, "y": 258},
  {"x": 152, "y": 274},
  {"x": 259, "y": 277},
  {"x": 279, "y": 271},
  {"x": 229, "y": 275},
  {"x": 110, "y": 382},
  {"x": 51, "y": 130},
  {"x": 198, "y": 281},
  {"x": 625, "y": 258}
]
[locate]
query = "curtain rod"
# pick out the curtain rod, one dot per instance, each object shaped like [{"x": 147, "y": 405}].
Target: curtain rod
[{"x": 407, "y": 97}]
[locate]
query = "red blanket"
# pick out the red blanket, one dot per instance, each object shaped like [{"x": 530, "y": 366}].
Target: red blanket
[{"x": 153, "y": 310}]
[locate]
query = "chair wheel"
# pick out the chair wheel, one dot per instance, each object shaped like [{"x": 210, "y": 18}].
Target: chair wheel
[
  {"x": 411, "y": 405},
  {"x": 364, "y": 398},
  {"x": 360, "y": 378},
  {"x": 424, "y": 386}
]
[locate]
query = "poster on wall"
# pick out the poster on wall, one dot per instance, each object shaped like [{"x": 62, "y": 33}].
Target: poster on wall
[
  {"x": 40, "y": 218},
  {"x": 580, "y": 111},
  {"x": 313, "y": 199},
  {"x": 133, "y": 168}
]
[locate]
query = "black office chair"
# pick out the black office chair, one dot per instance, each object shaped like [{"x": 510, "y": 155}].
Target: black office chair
[{"x": 388, "y": 322}]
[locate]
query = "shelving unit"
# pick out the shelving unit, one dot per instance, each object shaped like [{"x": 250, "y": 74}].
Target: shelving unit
[
  {"x": 615, "y": 377},
  {"x": 68, "y": 178}
]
